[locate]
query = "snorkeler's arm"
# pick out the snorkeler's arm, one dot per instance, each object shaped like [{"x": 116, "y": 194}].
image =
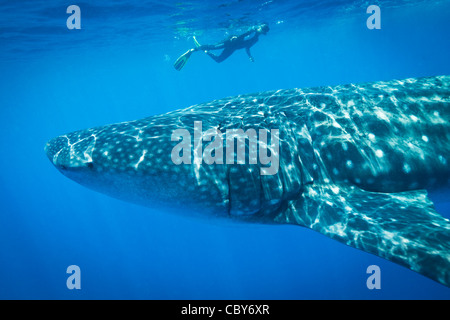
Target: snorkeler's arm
[{"x": 247, "y": 49}]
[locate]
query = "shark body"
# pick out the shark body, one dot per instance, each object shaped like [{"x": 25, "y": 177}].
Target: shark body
[{"x": 355, "y": 163}]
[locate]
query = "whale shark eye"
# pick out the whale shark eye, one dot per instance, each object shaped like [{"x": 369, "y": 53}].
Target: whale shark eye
[{"x": 90, "y": 165}]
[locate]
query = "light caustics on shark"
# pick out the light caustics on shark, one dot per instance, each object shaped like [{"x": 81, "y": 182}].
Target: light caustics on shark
[{"x": 355, "y": 162}]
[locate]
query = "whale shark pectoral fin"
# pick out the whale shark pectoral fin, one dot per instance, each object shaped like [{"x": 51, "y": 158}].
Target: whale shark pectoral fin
[{"x": 401, "y": 227}]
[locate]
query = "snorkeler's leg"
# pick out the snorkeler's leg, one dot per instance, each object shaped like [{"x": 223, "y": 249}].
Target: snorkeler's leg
[
  {"x": 207, "y": 47},
  {"x": 225, "y": 54}
]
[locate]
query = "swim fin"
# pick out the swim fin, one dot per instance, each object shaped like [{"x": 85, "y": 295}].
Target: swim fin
[
  {"x": 196, "y": 42},
  {"x": 181, "y": 61}
]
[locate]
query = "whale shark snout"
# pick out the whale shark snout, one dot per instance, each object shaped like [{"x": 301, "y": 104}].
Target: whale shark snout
[
  {"x": 67, "y": 156},
  {"x": 53, "y": 147}
]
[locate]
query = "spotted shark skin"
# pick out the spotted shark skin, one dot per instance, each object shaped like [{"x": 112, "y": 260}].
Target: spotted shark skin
[{"x": 355, "y": 164}]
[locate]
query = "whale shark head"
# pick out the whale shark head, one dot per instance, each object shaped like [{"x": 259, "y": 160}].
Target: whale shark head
[
  {"x": 196, "y": 159},
  {"x": 171, "y": 161},
  {"x": 132, "y": 161}
]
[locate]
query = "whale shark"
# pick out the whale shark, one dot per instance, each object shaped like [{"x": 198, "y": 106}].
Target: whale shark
[{"x": 354, "y": 162}]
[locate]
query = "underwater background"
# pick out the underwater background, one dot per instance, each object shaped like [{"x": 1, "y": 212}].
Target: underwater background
[{"x": 119, "y": 67}]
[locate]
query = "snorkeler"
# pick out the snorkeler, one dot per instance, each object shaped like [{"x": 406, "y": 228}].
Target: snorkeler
[{"x": 230, "y": 45}]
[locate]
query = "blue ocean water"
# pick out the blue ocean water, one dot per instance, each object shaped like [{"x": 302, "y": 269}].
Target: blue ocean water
[{"x": 119, "y": 67}]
